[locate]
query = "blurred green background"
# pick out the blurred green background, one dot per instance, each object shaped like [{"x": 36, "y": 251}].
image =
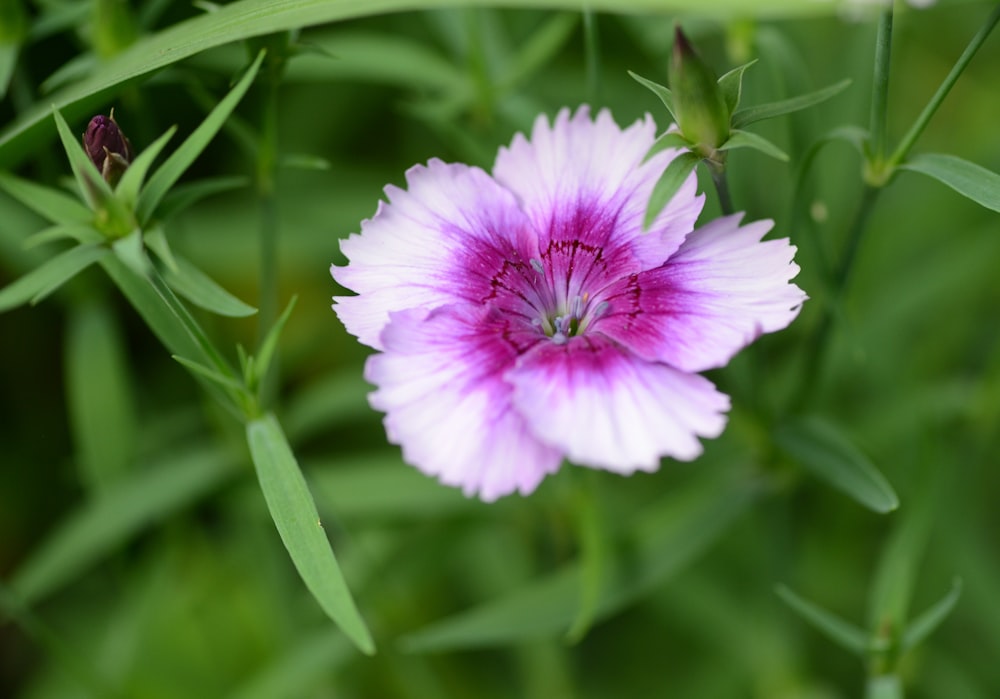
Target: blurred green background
[{"x": 136, "y": 549}]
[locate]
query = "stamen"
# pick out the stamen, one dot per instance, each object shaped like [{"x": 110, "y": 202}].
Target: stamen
[
  {"x": 559, "y": 338},
  {"x": 537, "y": 264},
  {"x": 577, "y": 307},
  {"x": 601, "y": 309}
]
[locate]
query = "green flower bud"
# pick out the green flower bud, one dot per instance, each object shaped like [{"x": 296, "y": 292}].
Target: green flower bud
[
  {"x": 699, "y": 104},
  {"x": 109, "y": 149}
]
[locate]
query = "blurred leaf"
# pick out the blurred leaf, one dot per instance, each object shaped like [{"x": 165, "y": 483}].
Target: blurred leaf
[
  {"x": 221, "y": 380},
  {"x": 679, "y": 169},
  {"x": 180, "y": 160},
  {"x": 660, "y": 91},
  {"x": 49, "y": 203},
  {"x": 539, "y": 49},
  {"x": 119, "y": 513},
  {"x": 666, "y": 538},
  {"x": 328, "y": 401},
  {"x": 262, "y": 361},
  {"x": 378, "y": 485},
  {"x": 8, "y": 61},
  {"x": 198, "y": 288},
  {"x": 99, "y": 395},
  {"x": 156, "y": 240},
  {"x": 747, "y": 139},
  {"x": 300, "y": 670},
  {"x": 922, "y": 627},
  {"x": 968, "y": 179},
  {"x": 135, "y": 174},
  {"x": 749, "y": 115},
  {"x": 843, "y": 633},
  {"x": 671, "y": 139},
  {"x": 132, "y": 253},
  {"x": 823, "y": 449},
  {"x": 884, "y": 687},
  {"x": 42, "y": 281},
  {"x": 294, "y": 513},
  {"x": 731, "y": 85},
  {"x": 81, "y": 233},
  {"x": 303, "y": 161},
  {"x": 184, "y": 195}
]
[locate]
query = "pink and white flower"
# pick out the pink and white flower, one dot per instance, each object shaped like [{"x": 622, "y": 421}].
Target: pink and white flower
[{"x": 525, "y": 317}]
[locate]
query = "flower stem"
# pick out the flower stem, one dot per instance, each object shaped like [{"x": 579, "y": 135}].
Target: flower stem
[
  {"x": 925, "y": 116},
  {"x": 880, "y": 86},
  {"x": 722, "y": 188},
  {"x": 592, "y": 53}
]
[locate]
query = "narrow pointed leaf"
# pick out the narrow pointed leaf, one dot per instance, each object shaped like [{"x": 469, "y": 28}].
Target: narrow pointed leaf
[
  {"x": 267, "y": 348},
  {"x": 747, "y": 139},
  {"x": 131, "y": 251},
  {"x": 8, "y": 60},
  {"x": 51, "y": 204},
  {"x": 539, "y": 49},
  {"x": 99, "y": 396},
  {"x": 134, "y": 176},
  {"x": 95, "y": 190},
  {"x": 821, "y": 448},
  {"x": 81, "y": 233},
  {"x": 731, "y": 85},
  {"x": 841, "y": 632},
  {"x": 659, "y": 90},
  {"x": 294, "y": 513},
  {"x": 225, "y": 382},
  {"x": 748, "y": 115},
  {"x": 182, "y": 196},
  {"x": 666, "y": 187},
  {"x": 671, "y": 139},
  {"x": 42, "y": 281},
  {"x": 106, "y": 521},
  {"x": 307, "y": 661},
  {"x": 164, "y": 178},
  {"x": 922, "y": 627},
  {"x": 884, "y": 687},
  {"x": 968, "y": 179},
  {"x": 198, "y": 288},
  {"x": 156, "y": 240},
  {"x": 665, "y": 539}
]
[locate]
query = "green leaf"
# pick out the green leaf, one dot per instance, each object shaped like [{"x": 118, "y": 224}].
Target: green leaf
[
  {"x": 820, "y": 447},
  {"x": 746, "y": 139},
  {"x": 130, "y": 251},
  {"x": 8, "y": 61},
  {"x": 669, "y": 183},
  {"x": 749, "y": 115},
  {"x": 179, "y": 161},
  {"x": 267, "y": 348},
  {"x": 94, "y": 189},
  {"x": 135, "y": 174},
  {"x": 227, "y": 383},
  {"x": 99, "y": 395},
  {"x": 42, "y": 281},
  {"x": 309, "y": 660},
  {"x": 922, "y": 627},
  {"x": 659, "y": 90},
  {"x": 539, "y": 49},
  {"x": 294, "y": 513},
  {"x": 884, "y": 687},
  {"x": 731, "y": 85},
  {"x": 117, "y": 514},
  {"x": 198, "y": 288},
  {"x": 81, "y": 233},
  {"x": 663, "y": 540},
  {"x": 968, "y": 179},
  {"x": 184, "y": 195},
  {"x": 156, "y": 240},
  {"x": 51, "y": 204},
  {"x": 671, "y": 139},
  {"x": 841, "y": 632},
  {"x": 326, "y": 401}
]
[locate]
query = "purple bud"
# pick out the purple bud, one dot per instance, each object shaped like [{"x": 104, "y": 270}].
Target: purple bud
[{"x": 109, "y": 149}]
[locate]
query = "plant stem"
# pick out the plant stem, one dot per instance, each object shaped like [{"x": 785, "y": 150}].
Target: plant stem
[
  {"x": 592, "y": 54},
  {"x": 722, "y": 188},
  {"x": 880, "y": 86},
  {"x": 925, "y": 116}
]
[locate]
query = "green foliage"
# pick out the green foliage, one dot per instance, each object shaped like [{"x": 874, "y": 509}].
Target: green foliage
[{"x": 138, "y": 557}]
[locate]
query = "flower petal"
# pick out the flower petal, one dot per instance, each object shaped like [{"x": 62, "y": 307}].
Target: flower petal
[
  {"x": 582, "y": 180},
  {"x": 440, "y": 383},
  {"x": 444, "y": 239},
  {"x": 717, "y": 294},
  {"x": 607, "y": 408}
]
